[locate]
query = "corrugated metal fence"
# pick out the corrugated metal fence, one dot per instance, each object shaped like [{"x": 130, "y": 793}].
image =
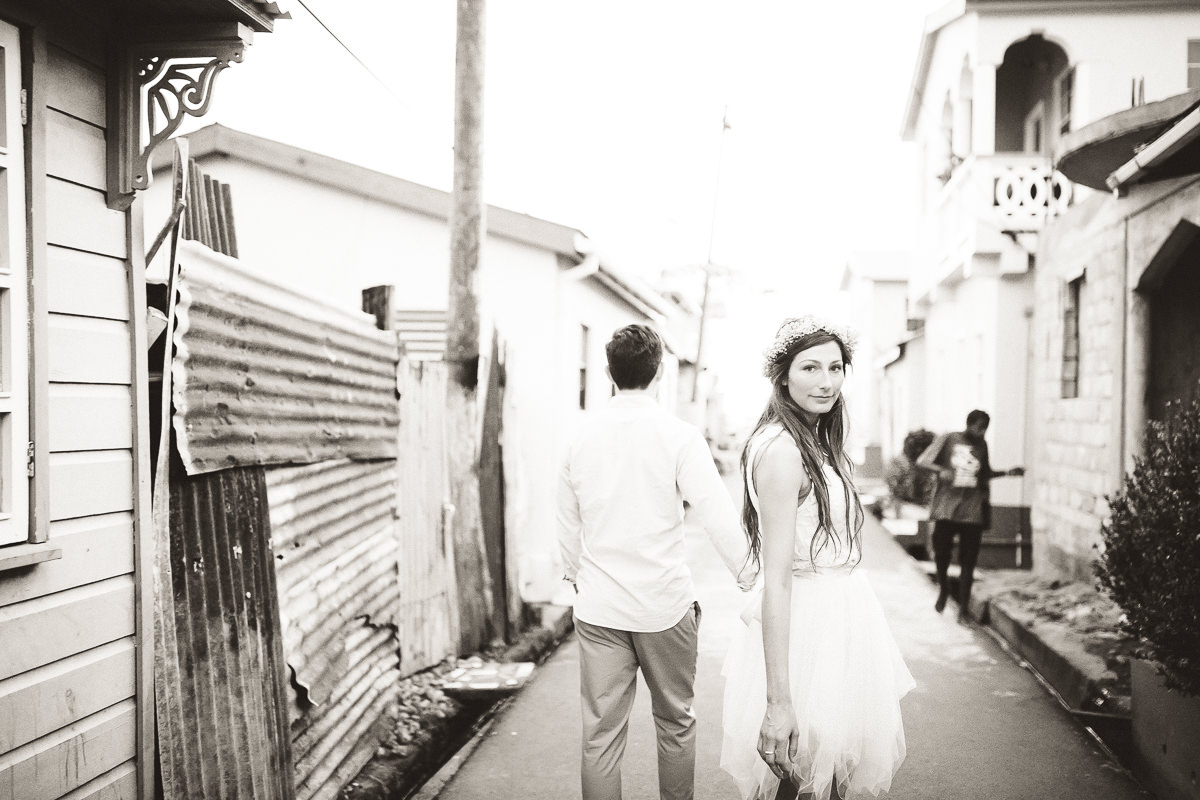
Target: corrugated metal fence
[
  {"x": 350, "y": 441},
  {"x": 222, "y": 720},
  {"x": 337, "y": 558}
]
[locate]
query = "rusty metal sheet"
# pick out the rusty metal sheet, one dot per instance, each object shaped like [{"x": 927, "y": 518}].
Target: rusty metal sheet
[
  {"x": 264, "y": 375},
  {"x": 223, "y": 727},
  {"x": 334, "y": 534}
]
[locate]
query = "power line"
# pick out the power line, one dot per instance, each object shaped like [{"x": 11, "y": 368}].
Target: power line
[{"x": 352, "y": 54}]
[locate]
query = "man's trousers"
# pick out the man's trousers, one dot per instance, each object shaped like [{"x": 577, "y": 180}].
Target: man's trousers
[{"x": 609, "y": 660}]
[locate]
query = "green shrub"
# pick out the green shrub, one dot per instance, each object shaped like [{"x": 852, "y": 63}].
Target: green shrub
[
  {"x": 1151, "y": 559},
  {"x": 906, "y": 482}
]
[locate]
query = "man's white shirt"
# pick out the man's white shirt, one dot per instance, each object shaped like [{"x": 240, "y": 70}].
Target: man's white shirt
[{"x": 620, "y": 515}]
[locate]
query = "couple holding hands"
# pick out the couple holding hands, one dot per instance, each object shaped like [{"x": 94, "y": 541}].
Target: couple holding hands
[{"x": 814, "y": 678}]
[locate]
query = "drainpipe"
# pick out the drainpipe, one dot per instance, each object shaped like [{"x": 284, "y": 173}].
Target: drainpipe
[
  {"x": 591, "y": 260},
  {"x": 1123, "y": 405}
]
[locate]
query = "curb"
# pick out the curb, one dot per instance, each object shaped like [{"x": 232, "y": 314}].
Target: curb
[
  {"x": 1075, "y": 676},
  {"x": 1078, "y": 684},
  {"x": 556, "y": 623},
  {"x": 382, "y": 778}
]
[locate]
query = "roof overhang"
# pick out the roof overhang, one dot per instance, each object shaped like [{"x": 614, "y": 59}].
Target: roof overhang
[
  {"x": 1173, "y": 154},
  {"x": 1094, "y": 152},
  {"x": 165, "y": 63},
  {"x": 258, "y": 15},
  {"x": 934, "y": 23}
]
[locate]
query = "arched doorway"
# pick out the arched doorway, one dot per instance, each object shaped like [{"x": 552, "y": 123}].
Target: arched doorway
[
  {"x": 1031, "y": 74},
  {"x": 1171, "y": 286}
]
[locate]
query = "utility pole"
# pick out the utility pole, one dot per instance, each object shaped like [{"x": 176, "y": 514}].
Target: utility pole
[
  {"x": 467, "y": 215},
  {"x": 463, "y": 516},
  {"x": 708, "y": 265}
]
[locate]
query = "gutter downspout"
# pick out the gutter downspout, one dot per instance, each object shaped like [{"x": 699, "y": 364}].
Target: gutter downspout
[
  {"x": 1122, "y": 425},
  {"x": 1166, "y": 145},
  {"x": 584, "y": 269},
  {"x": 590, "y": 264}
]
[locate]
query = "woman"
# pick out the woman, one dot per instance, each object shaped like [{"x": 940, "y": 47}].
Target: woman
[{"x": 813, "y": 682}]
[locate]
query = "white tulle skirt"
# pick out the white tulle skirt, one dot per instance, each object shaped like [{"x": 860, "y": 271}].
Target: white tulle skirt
[{"x": 847, "y": 678}]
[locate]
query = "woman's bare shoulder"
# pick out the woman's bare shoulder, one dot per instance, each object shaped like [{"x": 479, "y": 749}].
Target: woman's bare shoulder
[{"x": 780, "y": 462}]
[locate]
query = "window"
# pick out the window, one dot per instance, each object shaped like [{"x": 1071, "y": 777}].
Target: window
[
  {"x": 583, "y": 364},
  {"x": 1071, "y": 343},
  {"x": 1066, "y": 96},
  {"x": 1193, "y": 64},
  {"x": 14, "y": 308}
]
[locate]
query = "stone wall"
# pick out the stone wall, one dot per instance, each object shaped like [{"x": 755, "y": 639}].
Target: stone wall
[
  {"x": 1074, "y": 438},
  {"x": 1085, "y": 444}
]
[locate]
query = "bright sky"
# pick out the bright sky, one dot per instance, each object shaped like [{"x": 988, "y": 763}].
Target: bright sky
[{"x": 607, "y": 117}]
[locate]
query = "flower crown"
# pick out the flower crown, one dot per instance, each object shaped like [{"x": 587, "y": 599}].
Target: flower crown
[{"x": 793, "y": 328}]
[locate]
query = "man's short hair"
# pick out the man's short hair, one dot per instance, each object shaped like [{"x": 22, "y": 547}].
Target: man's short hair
[
  {"x": 978, "y": 416},
  {"x": 634, "y": 354}
]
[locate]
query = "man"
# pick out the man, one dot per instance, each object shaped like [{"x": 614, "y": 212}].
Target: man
[
  {"x": 961, "y": 503},
  {"x": 624, "y": 480}
]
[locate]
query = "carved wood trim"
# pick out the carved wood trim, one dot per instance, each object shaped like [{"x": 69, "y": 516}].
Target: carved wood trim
[{"x": 159, "y": 78}]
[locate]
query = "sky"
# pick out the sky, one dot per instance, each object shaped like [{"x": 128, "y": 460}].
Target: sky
[{"x": 609, "y": 117}]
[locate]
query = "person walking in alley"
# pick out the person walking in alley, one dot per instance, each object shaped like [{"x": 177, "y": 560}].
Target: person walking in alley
[
  {"x": 961, "y": 505},
  {"x": 813, "y": 681},
  {"x": 623, "y": 484}
]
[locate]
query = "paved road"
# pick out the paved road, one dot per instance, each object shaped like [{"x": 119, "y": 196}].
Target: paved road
[{"x": 978, "y": 725}]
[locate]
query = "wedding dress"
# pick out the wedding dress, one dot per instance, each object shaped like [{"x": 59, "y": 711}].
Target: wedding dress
[{"x": 846, "y": 673}]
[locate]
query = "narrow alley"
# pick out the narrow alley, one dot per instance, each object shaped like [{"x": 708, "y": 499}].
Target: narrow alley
[{"x": 978, "y": 725}]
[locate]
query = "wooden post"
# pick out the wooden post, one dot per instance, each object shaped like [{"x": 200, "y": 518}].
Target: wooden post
[
  {"x": 377, "y": 301},
  {"x": 467, "y": 214},
  {"x": 467, "y": 226}
]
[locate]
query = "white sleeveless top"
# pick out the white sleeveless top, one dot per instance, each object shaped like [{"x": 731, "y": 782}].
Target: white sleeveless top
[{"x": 841, "y": 551}]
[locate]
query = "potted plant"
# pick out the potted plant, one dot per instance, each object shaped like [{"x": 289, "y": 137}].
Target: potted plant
[{"x": 1150, "y": 565}]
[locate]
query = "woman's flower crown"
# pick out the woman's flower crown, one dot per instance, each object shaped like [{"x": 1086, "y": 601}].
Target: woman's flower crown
[{"x": 794, "y": 328}]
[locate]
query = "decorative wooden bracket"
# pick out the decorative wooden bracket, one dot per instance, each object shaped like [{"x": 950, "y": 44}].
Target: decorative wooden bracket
[{"x": 159, "y": 78}]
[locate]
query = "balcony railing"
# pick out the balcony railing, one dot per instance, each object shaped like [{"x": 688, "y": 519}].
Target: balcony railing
[
  {"x": 985, "y": 197},
  {"x": 1025, "y": 190},
  {"x": 1010, "y": 191}
]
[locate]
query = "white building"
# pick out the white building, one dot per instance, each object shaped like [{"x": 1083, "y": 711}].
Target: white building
[
  {"x": 331, "y": 229},
  {"x": 997, "y": 84},
  {"x": 876, "y": 286}
]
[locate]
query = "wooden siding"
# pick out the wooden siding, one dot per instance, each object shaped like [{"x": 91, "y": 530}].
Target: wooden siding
[{"x": 68, "y": 712}]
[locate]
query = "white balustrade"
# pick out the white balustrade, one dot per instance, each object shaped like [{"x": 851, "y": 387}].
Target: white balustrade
[{"x": 1028, "y": 193}]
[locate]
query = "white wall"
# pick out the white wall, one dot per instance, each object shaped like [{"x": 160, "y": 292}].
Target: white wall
[
  {"x": 332, "y": 244},
  {"x": 1112, "y": 46},
  {"x": 324, "y": 240},
  {"x": 1096, "y": 44}
]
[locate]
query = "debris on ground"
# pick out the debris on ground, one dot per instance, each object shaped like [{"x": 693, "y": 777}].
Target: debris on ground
[
  {"x": 1086, "y": 612},
  {"x": 431, "y": 724}
]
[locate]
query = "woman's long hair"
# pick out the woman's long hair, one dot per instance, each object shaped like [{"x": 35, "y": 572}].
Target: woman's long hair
[{"x": 825, "y": 440}]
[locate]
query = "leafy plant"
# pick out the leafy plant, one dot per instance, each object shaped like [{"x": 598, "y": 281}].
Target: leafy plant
[
  {"x": 904, "y": 480},
  {"x": 1150, "y": 564}
]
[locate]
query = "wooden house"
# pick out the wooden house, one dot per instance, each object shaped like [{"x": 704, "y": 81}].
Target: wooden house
[{"x": 86, "y": 91}]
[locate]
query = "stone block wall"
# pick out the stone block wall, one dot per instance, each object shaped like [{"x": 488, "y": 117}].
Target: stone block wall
[{"x": 1077, "y": 438}]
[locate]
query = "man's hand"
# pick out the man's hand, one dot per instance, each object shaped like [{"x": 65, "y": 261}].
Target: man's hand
[{"x": 1016, "y": 472}]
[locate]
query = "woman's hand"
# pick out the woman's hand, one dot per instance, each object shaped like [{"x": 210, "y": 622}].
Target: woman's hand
[{"x": 779, "y": 738}]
